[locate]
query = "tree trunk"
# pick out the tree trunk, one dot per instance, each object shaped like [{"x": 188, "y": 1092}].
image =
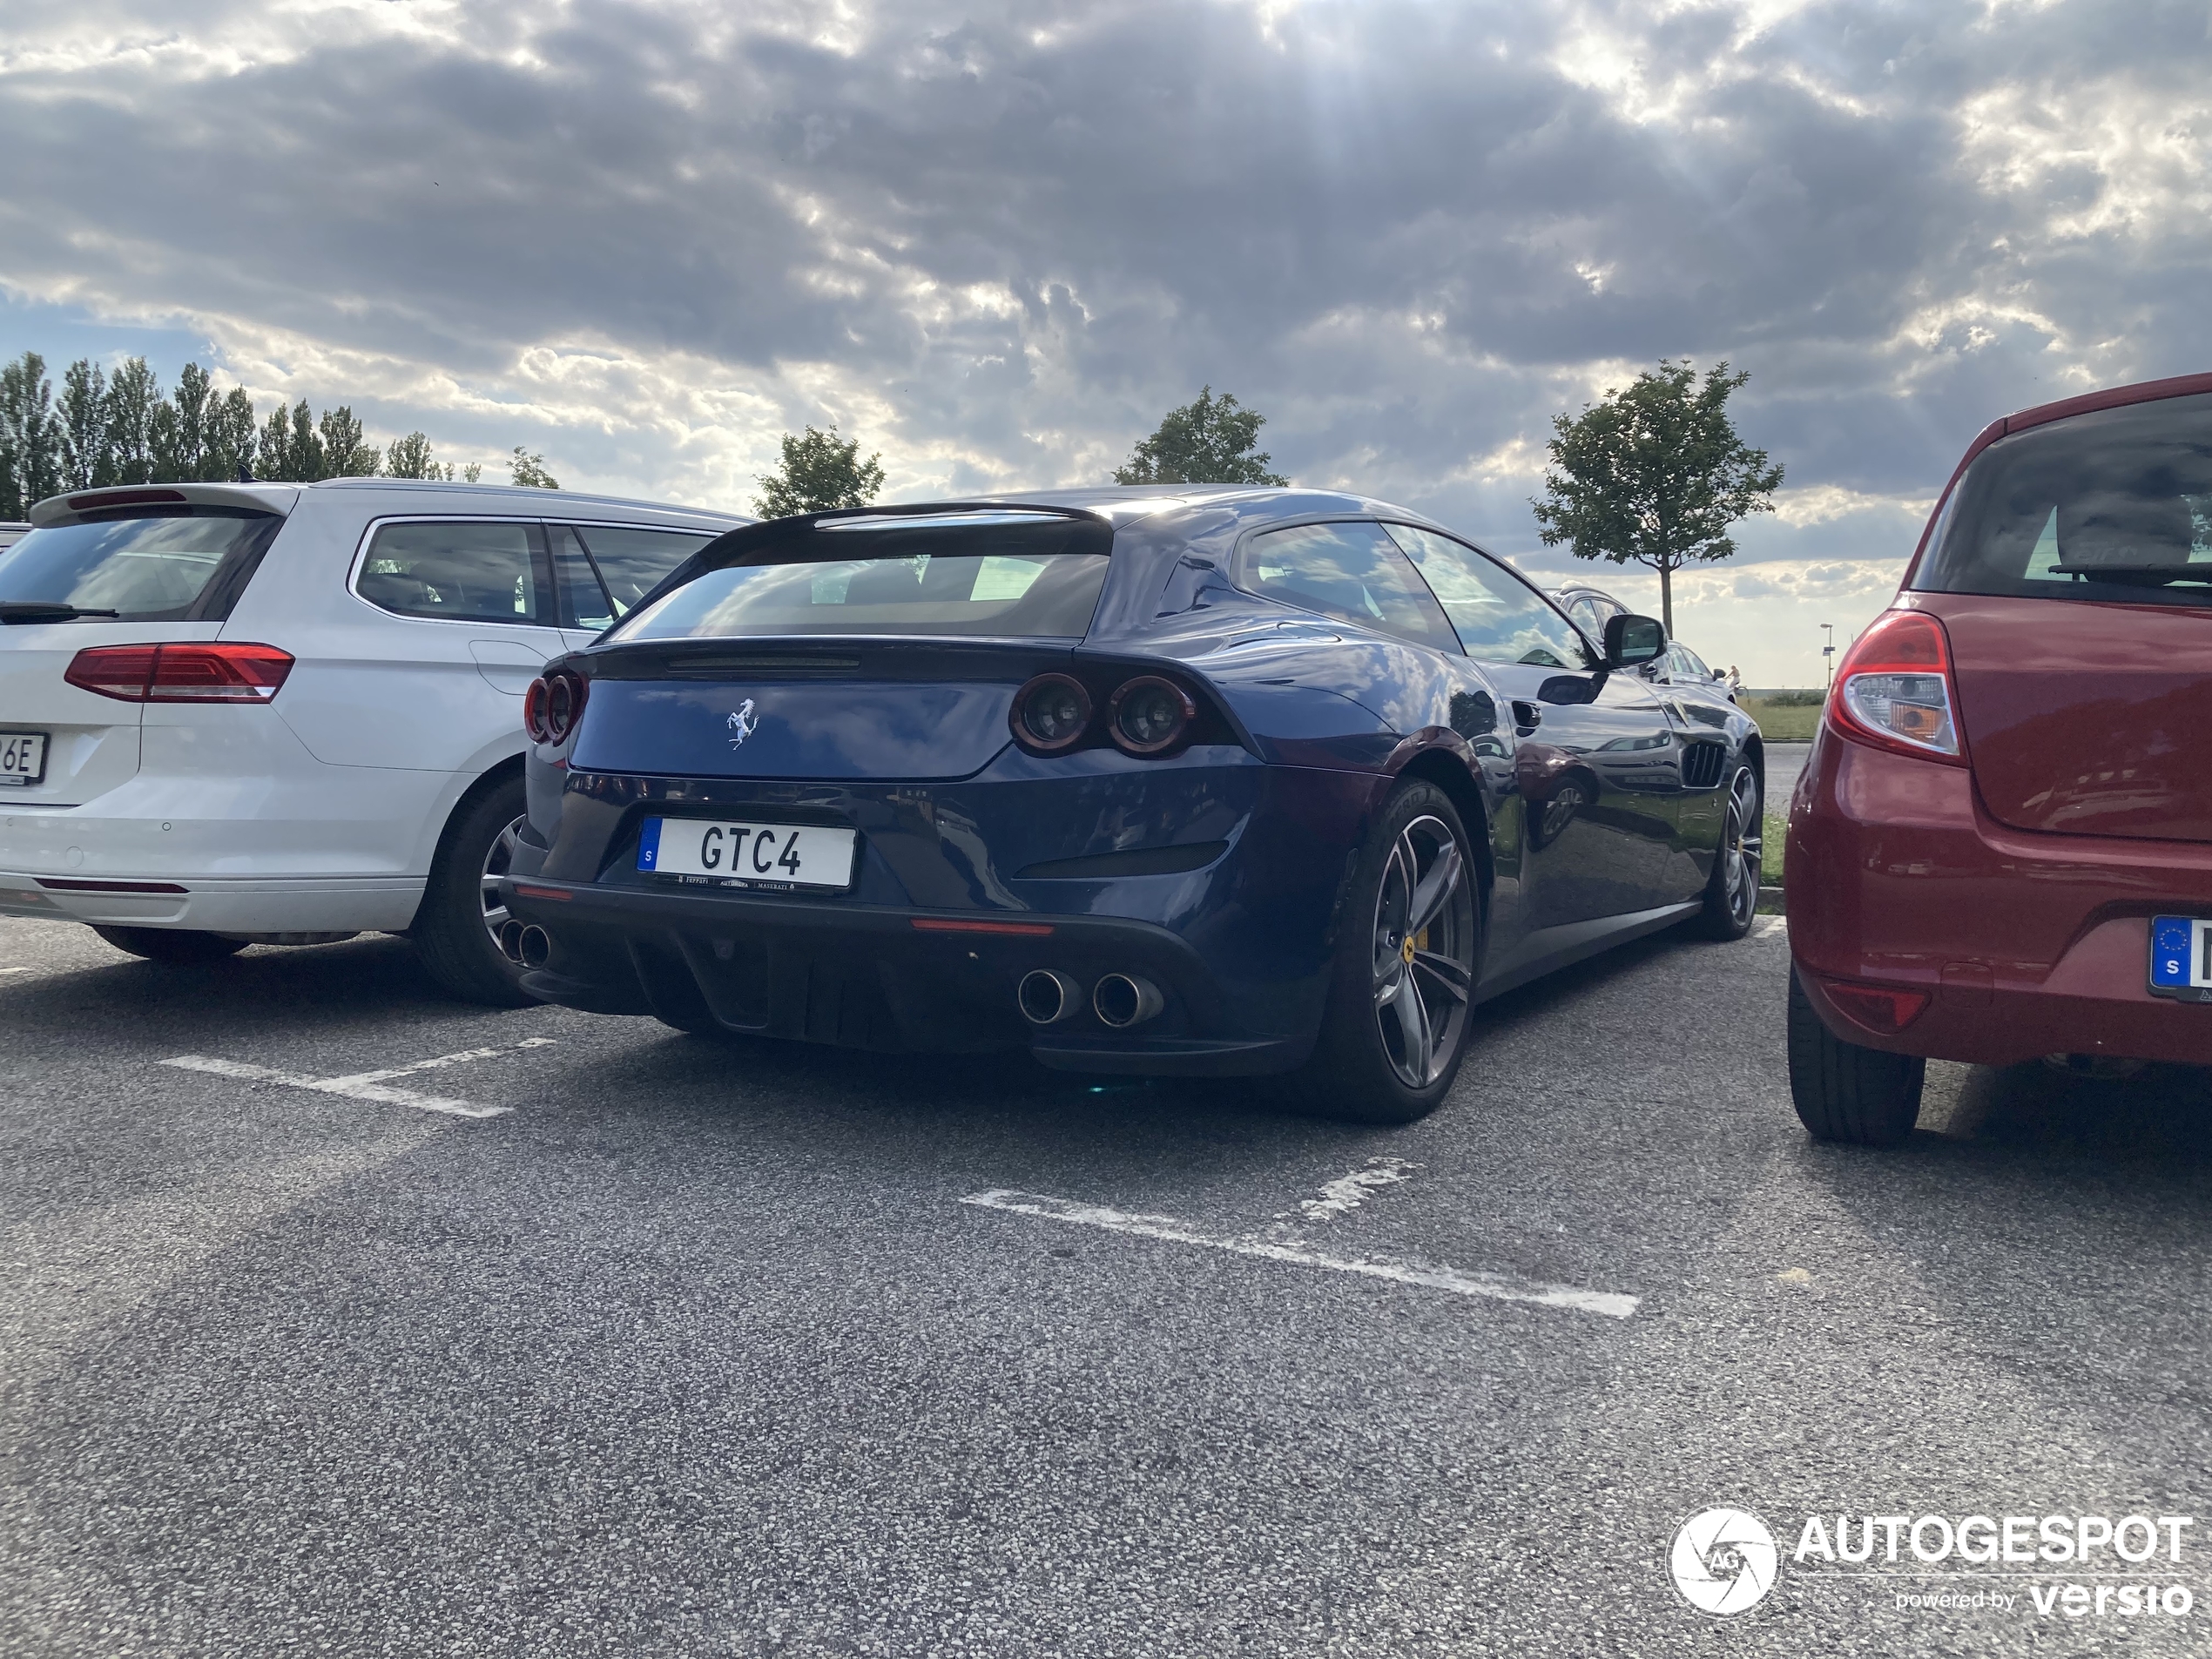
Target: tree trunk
[{"x": 1666, "y": 598}]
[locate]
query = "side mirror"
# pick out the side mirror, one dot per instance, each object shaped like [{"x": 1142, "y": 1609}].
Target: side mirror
[{"x": 1630, "y": 641}]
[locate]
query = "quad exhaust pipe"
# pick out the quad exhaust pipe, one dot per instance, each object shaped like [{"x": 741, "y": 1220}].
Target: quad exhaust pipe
[
  {"x": 527, "y": 945},
  {"x": 1120, "y": 1001}
]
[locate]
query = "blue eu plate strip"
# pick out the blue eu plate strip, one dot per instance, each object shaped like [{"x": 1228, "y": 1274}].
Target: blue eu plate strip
[
  {"x": 649, "y": 845},
  {"x": 2173, "y": 943}
]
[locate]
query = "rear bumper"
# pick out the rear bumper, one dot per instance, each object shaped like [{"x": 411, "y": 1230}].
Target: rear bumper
[
  {"x": 215, "y": 905},
  {"x": 892, "y": 979},
  {"x": 2025, "y": 944}
]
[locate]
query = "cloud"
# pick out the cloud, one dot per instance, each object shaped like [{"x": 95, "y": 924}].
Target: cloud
[{"x": 995, "y": 242}]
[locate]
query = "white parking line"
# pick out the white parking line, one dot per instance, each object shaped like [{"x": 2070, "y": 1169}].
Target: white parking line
[
  {"x": 1502, "y": 1286},
  {"x": 1770, "y": 927},
  {"x": 1346, "y": 1194},
  {"x": 367, "y": 1085}
]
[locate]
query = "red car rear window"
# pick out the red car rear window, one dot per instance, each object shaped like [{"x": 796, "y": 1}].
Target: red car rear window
[{"x": 2114, "y": 506}]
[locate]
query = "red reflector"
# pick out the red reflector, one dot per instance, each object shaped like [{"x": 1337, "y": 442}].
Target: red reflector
[
  {"x": 214, "y": 672},
  {"x": 62, "y": 885},
  {"x": 124, "y": 498},
  {"x": 1879, "y": 1007},
  {"x": 947, "y": 925},
  {"x": 559, "y": 895}
]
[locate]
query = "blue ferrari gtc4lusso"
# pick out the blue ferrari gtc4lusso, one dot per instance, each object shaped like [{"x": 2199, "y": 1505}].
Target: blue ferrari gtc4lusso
[{"x": 1192, "y": 779}]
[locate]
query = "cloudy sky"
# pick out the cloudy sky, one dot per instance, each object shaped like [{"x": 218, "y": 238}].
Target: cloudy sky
[{"x": 995, "y": 240}]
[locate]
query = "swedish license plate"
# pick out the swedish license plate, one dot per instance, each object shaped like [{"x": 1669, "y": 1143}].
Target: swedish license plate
[
  {"x": 753, "y": 855},
  {"x": 23, "y": 757},
  {"x": 2181, "y": 958}
]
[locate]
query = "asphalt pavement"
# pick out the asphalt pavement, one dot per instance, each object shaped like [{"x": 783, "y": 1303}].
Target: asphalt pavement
[
  {"x": 1785, "y": 762},
  {"x": 341, "y": 1319}
]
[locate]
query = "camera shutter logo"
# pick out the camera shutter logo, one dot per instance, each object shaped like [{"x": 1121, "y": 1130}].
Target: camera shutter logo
[{"x": 1724, "y": 1561}]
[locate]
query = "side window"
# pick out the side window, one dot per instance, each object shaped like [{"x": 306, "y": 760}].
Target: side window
[
  {"x": 457, "y": 572},
  {"x": 1499, "y": 618},
  {"x": 631, "y": 561},
  {"x": 1354, "y": 571},
  {"x": 583, "y": 601}
]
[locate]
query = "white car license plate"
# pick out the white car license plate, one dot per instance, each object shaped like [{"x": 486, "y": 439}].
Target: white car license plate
[
  {"x": 2181, "y": 958},
  {"x": 23, "y": 757},
  {"x": 757, "y": 855}
]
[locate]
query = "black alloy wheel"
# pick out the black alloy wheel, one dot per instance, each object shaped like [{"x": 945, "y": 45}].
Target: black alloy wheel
[
  {"x": 1396, "y": 1026},
  {"x": 497, "y": 862},
  {"x": 1732, "y": 893},
  {"x": 456, "y": 930}
]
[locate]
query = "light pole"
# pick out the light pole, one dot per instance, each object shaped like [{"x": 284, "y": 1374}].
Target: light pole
[{"x": 1827, "y": 653}]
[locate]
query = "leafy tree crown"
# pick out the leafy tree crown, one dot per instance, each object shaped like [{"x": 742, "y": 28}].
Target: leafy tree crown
[
  {"x": 1655, "y": 472},
  {"x": 820, "y": 474},
  {"x": 1210, "y": 440}
]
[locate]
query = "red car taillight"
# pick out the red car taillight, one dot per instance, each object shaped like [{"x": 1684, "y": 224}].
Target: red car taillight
[
  {"x": 553, "y": 705},
  {"x": 1050, "y": 714},
  {"x": 1895, "y": 691},
  {"x": 1148, "y": 715},
  {"x": 212, "y": 671}
]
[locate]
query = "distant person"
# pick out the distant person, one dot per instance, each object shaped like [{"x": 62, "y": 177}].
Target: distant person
[{"x": 1734, "y": 679}]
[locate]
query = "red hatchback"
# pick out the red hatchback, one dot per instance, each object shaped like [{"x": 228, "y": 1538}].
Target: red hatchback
[{"x": 2001, "y": 843}]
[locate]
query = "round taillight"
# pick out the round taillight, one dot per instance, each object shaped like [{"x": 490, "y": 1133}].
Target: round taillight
[
  {"x": 1149, "y": 715},
  {"x": 1051, "y": 713},
  {"x": 534, "y": 711},
  {"x": 564, "y": 695}
]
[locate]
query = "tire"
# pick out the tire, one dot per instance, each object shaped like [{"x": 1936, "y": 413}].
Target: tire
[
  {"x": 172, "y": 947},
  {"x": 454, "y": 930},
  {"x": 1843, "y": 1092},
  {"x": 1395, "y": 1026},
  {"x": 1732, "y": 893}
]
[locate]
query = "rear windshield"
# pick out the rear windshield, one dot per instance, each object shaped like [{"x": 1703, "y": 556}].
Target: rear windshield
[
  {"x": 2113, "y": 507},
  {"x": 184, "y": 565},
  {"x": 1020, "y": 578}
]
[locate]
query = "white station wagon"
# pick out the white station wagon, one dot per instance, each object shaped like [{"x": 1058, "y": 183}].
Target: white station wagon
[{"x": 288, "y": 713}]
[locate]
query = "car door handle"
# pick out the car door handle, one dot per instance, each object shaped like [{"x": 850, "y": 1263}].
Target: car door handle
[{"x": 1526, "y": 713}]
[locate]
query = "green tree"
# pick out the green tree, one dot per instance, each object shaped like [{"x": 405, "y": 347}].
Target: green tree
[
  {"x": 409, "y": 457},
  {"x": 820, "y": 474},
  {"x": 291, "y": 449},
  {"x": 30, "y": 436},
  {"x": 86, "y": 459},
  {"x": 346, "y": 452},
  {"x": 1655, "y": 472},
  {"x": 528, "y": 471},
  {"x": 179, "y": 428},
  {"x": 133, "y": 391},
  {"x": 229, "y": 455},
  {"x": 308, "y": 462},
  {"x": 1210, "y": 440},
  {"x": 273, "y": 452}
]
